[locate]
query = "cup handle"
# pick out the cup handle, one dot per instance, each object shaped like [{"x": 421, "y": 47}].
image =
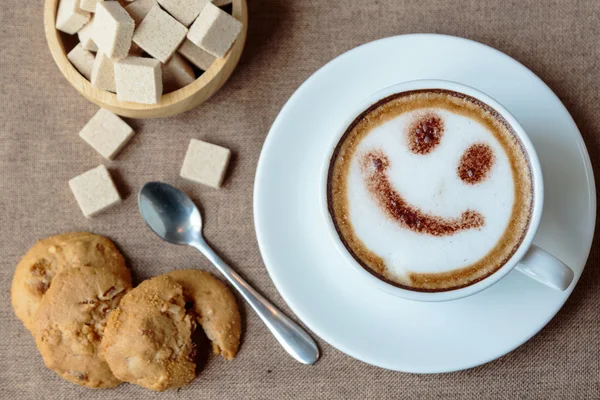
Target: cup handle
[{"x": 545, "y": 268}]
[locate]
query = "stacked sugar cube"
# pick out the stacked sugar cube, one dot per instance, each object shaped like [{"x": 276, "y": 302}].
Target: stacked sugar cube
[{"x": 148, "y": 47}]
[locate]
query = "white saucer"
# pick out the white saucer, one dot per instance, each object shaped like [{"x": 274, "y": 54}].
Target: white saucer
[{"x": 339, "y": 305}]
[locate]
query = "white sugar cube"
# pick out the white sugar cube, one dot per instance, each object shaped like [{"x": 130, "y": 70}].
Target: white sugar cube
[
  {"x": 112, "y": 29},
  {"x": 139, "y": 9},
  {"x": 177, "y": 73},
  {"x": 106, "y": 133},
  {"x": 85, "y": 37},
  {"x": 94, "y": 191},
  {"x": 205, "y": 163},
  {"x": 138, "y": 80},
  {"x": 82, "y": 59},
  {"x": 221, "y": 3},
  {"x": 103, "y": 73},
  {"x": 214, "y": 30},
  {"x": 184, "y": 11},
  {"x": 70, "y": 18},
  {"x": 196, "y": 55},
  {"x": 89, "y": 5},
  {"x": 159, "y": 34}
]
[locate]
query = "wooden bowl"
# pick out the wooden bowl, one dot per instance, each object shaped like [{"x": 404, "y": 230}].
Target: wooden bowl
[{"x": 171, "y": 103}]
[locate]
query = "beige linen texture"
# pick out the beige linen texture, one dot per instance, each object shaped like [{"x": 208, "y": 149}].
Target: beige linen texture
[{"x": 40, "y": 151}]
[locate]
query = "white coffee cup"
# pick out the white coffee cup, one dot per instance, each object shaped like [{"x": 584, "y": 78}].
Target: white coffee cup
[{"x": 529, "y": 259}]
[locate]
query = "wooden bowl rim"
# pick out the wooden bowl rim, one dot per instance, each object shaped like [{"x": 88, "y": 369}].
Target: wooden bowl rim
[{"x": 84, "y": 86}]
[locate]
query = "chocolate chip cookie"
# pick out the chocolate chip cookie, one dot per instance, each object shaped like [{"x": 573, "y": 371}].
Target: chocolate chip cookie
[
  {"x": 70, "y": 321},
  {"x": 215, "y": 307},
  {"x": 34, "y": 273},
  {"x": 148, "y": 337}
]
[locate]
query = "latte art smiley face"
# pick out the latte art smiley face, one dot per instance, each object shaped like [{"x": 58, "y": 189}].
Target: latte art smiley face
[
  {"x": 430, "y": 190},
  {"x": 423, "y": 136}
]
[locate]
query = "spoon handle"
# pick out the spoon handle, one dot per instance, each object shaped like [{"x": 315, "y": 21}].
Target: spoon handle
[{"x": 290, "y": 335}]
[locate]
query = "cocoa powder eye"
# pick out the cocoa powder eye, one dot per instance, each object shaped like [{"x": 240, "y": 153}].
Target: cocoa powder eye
[
  {"x": 425, "y": 133},
  {"x": 476, "y": 163}
]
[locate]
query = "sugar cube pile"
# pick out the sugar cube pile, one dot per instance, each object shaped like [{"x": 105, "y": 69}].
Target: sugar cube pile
[
  {"x": 140, "y": 49},
  {"x": 179, "y": 38}
]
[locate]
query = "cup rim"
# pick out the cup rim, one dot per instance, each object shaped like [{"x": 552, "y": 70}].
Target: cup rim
[{"x": 537, "y": 186}]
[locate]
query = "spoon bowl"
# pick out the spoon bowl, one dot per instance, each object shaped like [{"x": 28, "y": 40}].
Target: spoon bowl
[{"x": 170, "y": 213}]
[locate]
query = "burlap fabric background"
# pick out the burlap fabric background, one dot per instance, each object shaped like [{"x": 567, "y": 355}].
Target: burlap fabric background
[{"x": 40, "y": 116}]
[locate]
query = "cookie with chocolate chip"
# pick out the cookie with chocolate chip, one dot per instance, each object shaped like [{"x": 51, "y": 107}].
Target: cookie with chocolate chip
[
  {"x": 36, "y": 270},
  {"x": 70, "y": 322}
]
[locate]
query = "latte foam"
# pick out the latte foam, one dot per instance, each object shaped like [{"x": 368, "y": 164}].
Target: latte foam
[{"x": 430, "y": 190}]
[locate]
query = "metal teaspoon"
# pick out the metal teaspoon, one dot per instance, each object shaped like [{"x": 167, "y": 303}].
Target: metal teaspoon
[{"x": 174, "y": 217}]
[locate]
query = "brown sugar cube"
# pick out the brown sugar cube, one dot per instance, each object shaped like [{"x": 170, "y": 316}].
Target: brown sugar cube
[
  {"x": 103, "y": 73},
  {"x": 177, "y": 73},
  {"x": 70, "y": 18},
  {"x": 159, "y": 34},
  {"x": 205, "y": 163},
  {"x": 112, "y": 29},
  {"x": 85, "y": 37},
  {"x": 214, "y": 30},
  {"x": 82, "y": 59},
  {"x": 94, "y": 191},
  {"x": 184, "y": 11},
  {"x": 139, "y": 9},
  {"x": 89, "y": 5},
  {"x": 196, "y": 55},
  {"x": 138, "y": 80},
  {"x": 106, "y": 133}
]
